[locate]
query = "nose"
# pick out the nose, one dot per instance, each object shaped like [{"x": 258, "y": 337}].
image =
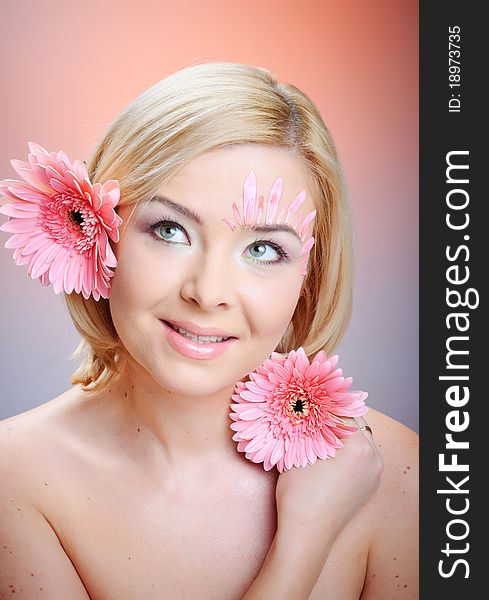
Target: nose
[{"x": 208, "y": 282}]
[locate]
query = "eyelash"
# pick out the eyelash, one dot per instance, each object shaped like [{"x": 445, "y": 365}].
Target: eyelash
[{"x": 284, "y": 257}]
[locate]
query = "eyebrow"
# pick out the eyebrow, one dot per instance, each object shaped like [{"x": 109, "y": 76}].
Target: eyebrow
[
  {"x": 193, "y": 216},
  {"x": 183, "y": 210}
]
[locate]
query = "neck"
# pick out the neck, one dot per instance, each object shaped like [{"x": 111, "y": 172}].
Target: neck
[{"x": 184, "y": 429}]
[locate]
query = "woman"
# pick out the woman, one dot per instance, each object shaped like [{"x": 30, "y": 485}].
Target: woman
[{"x": 129, "y": 484}]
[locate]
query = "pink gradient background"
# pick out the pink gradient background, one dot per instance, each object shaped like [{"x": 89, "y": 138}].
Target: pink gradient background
[{"x": 69, "y": 68}]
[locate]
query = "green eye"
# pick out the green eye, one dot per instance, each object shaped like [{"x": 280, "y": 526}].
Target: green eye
[
  {"x": 262, "y": 252},
  {"x": 258, "y": 250},
  {"x": 169, "y": 231},
  {"x": 266, "y": 253}
]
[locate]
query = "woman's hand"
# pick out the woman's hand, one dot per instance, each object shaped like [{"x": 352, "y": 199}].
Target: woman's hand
[
  {"x": 314, "y": 503},
  {"x": 320, "y": 499}
]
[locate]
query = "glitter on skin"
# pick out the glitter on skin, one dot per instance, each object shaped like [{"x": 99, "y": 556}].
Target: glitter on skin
[{"x": 247, "y": 217}]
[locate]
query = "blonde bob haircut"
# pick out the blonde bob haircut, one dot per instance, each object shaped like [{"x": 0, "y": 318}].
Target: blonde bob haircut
[{"x": 201, "y": 108}]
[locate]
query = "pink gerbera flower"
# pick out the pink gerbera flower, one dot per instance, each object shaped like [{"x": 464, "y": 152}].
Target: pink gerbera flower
[
  {"x": 62, "y": 223},
  {"x": 289, "y": 413}
]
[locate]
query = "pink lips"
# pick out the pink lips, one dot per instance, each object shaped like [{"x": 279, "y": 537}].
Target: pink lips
[
  {"x": 191, "y": 349},
  {"x": 196, "y": 330}
]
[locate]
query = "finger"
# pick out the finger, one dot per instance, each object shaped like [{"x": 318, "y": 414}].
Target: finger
[
  {"x": 365, "y": 429},
  {"x": 362, "y": 428},
  {"x": 363, "y": 425}
]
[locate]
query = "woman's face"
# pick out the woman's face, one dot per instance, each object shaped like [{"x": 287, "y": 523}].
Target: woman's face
[{"x": 180, "y": 261}]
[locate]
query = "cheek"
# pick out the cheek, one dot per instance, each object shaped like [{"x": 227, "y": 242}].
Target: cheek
[
  {"x": 142, "y": 276},
  {"x": 269, "y": 311},
  {"x": 273, "y": 304},
  {"x": 138, "y": 285}
]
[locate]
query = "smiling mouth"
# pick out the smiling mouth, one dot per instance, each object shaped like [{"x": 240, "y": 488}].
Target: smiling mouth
[{"x": 198, "y": 339}]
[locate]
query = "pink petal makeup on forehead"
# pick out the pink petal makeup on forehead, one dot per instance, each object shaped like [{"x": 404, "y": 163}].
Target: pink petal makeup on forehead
[{"x": 250, "y": 202}]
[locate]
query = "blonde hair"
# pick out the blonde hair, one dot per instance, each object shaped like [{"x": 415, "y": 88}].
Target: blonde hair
[{"x": 197, "y": 109}]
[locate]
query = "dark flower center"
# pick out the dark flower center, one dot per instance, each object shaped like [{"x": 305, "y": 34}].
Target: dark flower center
[
  {"x": 297, "y": 406},
  {"x": 298, "y": 400},
  {"x": 76, "y": 217}
]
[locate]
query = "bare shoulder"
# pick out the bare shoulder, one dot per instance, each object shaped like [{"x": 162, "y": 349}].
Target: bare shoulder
[
  {"x": 392, "y": 569},
  {"x": 397, "y": 444},
  {"x": 399, "y": 448},
  {"x": 32, "y": 440},
  {"x": 32, "y": 558},
  {"x": 32, "y": 420}
]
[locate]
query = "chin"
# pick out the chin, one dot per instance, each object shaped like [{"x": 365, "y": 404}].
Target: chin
[{"x": 187, "y": 382}]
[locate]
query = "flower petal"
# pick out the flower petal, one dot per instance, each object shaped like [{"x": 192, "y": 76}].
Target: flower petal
[
  {"x": 310, "y": 453},
  {"x": 20, "y": 225},
  {"x": 257, "y": 442},
  {"x": 24, "y": 170},
  {"x": 111, "y": 192},
  {"x": 16, "y": 241},
  {"x": 249, "y": 198},
  {"x": 251, "y": 413},
  {"x": 71, "y": 274},
  {"x": 38, "y": 265},
  {"x": 278, "y": 450},
  {"x": 251, "y": 396},
  {"x": 36, "y": 242},
  {"x": 18, "y": 190},
  {"x": 302, "y": 362},
  {"x": 18, "y": 211},
  {"x": 58, "y": 265},
  {"x": 274, "y": 200}
]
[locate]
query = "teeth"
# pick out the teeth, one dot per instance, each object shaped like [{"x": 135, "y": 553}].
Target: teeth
[{"x": 200, "y": 339}]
